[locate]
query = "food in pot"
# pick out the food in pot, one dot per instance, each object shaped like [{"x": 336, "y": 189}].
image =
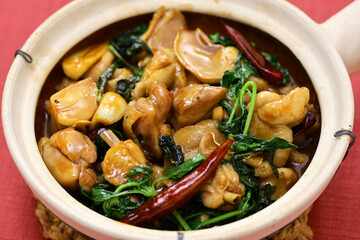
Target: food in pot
[{"x": 172, "y": 126}]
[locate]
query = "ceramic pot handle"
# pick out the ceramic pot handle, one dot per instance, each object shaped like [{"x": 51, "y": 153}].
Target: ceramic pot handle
[{"x": 343, "y": 30}]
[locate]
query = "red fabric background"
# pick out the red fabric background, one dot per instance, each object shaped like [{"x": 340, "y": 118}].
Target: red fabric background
[{"x": 335, "y": 214}]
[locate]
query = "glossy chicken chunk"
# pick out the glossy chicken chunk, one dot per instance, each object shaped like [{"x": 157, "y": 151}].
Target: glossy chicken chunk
[
  {"x": 204, "y": 137},
  {"x": 96, "y": 70},
  {"x": 163, "y": 28},
  {"x": 120, "y": 159},
  {"x": 145, "y": 118},
  {"x": 111, "y": 109},
  {"x": 221, "y": 187},
  {"x": 68, "y": 154},
  {"x": 266, "y": 131},
  {"x": 163, "y": 68},
  {"x": 78, "y": 63},
  {"x": 287, "y": 178},
  {"x": 207, "y": 61},
  {"x": 290, "y": 110},
  {"x": 194, "y": 102},
  {"x": 75, "y": 103}
]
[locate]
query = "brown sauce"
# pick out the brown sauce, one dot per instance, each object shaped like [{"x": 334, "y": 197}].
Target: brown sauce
[{"x": 210, "y": 25}]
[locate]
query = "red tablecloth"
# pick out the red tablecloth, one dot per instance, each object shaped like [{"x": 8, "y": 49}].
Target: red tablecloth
[{"x": 335, "y": 214}]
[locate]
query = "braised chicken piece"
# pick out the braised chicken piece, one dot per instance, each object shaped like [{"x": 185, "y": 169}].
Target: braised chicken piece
[
  {"x": 204, "y": 137},
  {"x": 111, "y": 109},
  {"x": 265, "y": 97},
  {"x": 255, "y": 160},
  {"x": 264, "y": 170},
  {"x": 207, "y": 61},
  {"x": 266, "y": 131},
  {"x": 194, "y": 102},
  {"x": 120, "y": 159},
  {"x": 163, "y": 28},
  {"x": 261, "y": 84},
  {"x": 68, "y": 154},
  {"x": 95, "y": 71},
  {"x": 75, "y": 103},
  {"x": 290, "y": 110},
  {"x": 78, "y": 63},
  {"x": 298, "y": 157},
  {"x": 163, "y": 68},
  {"x": 144, "y": 122},
  {"x": 287, "y": 178},
  {"x": 223, "y": 187},
  {"x": 218, "y": 114}
]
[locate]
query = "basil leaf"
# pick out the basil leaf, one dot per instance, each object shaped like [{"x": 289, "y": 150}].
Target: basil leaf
[
  {"x": 126, "y": 85},
  {"x": 128, "y": 44},
  {"x": 216, "y": 38},
  {"x": 171, "y": 150},
  {"x": 117, "y": 208},
  {"x": 178, "y": 172},
  {"x": 246, "y": 174},
  {"x": 105, "y": 76},
  {"x": 248, "y": 144}
]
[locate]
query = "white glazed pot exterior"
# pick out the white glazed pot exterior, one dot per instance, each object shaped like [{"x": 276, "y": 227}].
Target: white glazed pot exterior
[{"x": 80, "y": 18}]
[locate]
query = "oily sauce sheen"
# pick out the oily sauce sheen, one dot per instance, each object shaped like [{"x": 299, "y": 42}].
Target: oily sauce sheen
[{"x": 210, "y": 25}]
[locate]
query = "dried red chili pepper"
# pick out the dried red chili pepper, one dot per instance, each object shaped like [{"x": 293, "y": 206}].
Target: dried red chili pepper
[
  {"x": 268, "y": 71},
  {"x": 178, "y": 194},
  {"x": 308, "y": 122}
]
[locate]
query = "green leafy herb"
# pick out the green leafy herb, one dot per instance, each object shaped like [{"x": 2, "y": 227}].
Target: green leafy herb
[
  {"x": 263, "y": 197},
  {"x": 235, "y": 79},
  {"x": 229, "y": 77},
  {"x": 138, "y": 178},
  {"x": 235, "y": 124},
  {"x": 259, "y": 197},
  {"x": 178, "y": 172},
  {"x": 246, "y": 173},
  {"x": 138, "y": 182},
  {"x": 104, "y": 78},
  {"x": 128, "y": 65},
  {"x": 252, "y": 201},
  {"x": 248, "y": 144},
  {"x": 181, "y": 221},
  {"x": 216, "y": 38},
  {"x": 194, "y": 209},
  {"x": 243, "y": 209},
  {"x": 128, "y": 44},
  {"x": 245, "y": 67},
  {"x": 170, "y": 149},
  {"x": 126, "y": 85},
  {"x": 117, "y": 208}
]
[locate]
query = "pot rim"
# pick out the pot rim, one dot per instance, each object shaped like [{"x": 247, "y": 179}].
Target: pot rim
[{"x": 22, "y": 143}]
